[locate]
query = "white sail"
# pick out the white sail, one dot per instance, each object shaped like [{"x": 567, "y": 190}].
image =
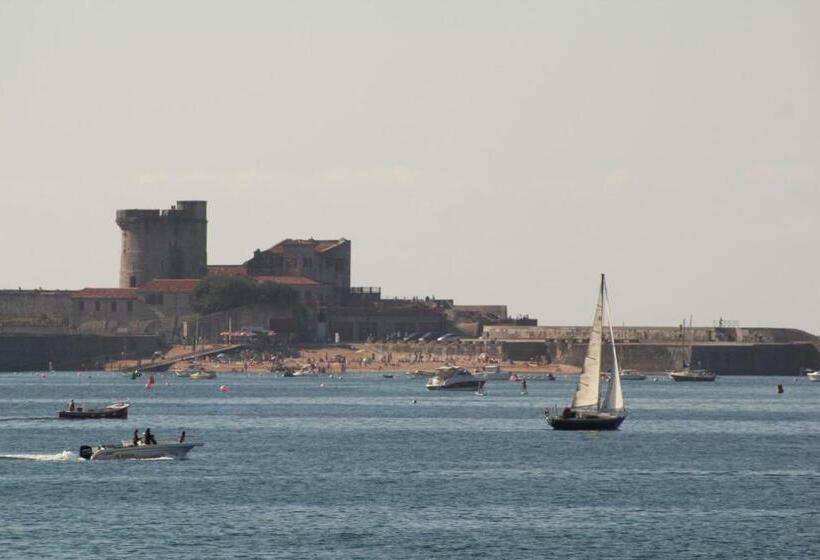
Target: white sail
[
  {"x": 587, "y": 391},
  {"x": 614, "y": 397}
]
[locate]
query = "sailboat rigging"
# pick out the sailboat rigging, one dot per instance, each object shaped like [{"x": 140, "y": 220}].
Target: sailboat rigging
[
  {"x": 688, "y": 373},
  {"x": 587, "y": 411}
]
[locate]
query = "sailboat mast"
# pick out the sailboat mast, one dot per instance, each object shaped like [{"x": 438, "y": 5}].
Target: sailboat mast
[{"x": 614, "y": 396}]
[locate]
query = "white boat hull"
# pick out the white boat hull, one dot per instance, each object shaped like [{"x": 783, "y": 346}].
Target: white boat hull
[
  {"x": 157, "y": 451},
  {"x": 813, "y": 375}
]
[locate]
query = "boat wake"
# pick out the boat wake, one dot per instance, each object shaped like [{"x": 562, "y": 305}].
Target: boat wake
[{"x": 62, "y": 456}]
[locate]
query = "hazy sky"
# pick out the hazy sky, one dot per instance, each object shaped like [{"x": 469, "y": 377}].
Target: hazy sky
[{"x": 489, "y": 152}]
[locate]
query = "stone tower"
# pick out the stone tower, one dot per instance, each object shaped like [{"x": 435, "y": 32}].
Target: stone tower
[{"x": 163, "y": 243}]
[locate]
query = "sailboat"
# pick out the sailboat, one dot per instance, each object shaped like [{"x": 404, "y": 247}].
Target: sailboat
[
  {"x": 587, "y": 412},
  {"x": 688, "y": 373}
]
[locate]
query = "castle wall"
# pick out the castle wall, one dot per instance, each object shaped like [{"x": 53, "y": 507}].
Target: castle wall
[
  {"x": 35, "y": 308},
  {"x": 163, "y": 244}
]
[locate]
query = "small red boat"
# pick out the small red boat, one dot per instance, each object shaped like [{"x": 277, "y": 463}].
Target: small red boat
[{"x": 114, "y": 410}]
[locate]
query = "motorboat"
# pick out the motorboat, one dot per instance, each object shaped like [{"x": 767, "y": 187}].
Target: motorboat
[
  {"x": 631, "y": 375},
  {"x": 194, "y": 370},
  {"x": 588, "y": 411},
  {"x": 813, "y": 375},
  {"x": 113, "y": 410},
  {"x": 492, "y": 371},
  {"x": 306, "y": 371},
  {"x": 454, "y": 379},
  {"x": 692, "y": 375},
  {"x": 127, "y": 450}
]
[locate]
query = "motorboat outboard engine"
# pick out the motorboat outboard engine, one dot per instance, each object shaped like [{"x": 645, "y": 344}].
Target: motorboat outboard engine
[{"x": 86, "y": 452}]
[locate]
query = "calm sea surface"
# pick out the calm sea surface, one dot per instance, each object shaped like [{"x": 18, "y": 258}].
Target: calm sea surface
[{"x": 369, "y": 467}]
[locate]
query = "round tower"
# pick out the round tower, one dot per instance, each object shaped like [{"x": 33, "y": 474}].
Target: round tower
[{"x": 163, "y": 243}]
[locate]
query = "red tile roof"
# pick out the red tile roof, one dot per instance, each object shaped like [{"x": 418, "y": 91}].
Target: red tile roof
[
  {"x": 287, "y": 280},
  {"x": 179, "y": 285},
  {"x": 106, "y": 293},
  {"x": 227, "y": 270},
  {"x": 319, "y": 245}
]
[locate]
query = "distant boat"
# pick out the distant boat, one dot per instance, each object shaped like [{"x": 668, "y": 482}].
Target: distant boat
[
  {"x": 687, "y": 373},
  {"x": 194, "y": 370},
  {"x": 813, "y": 375},
  {"x": 117, "y": 410},
  {"x": 631, "y": 375},
  {"x": 587, "y": 411},
  {"x": 492, "y": 371},
  {"x": 452, "y": 378}
]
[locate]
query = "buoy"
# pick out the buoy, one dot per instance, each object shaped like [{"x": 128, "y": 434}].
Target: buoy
[
  {"x": 224, "y": 389},
  {"x": 779, "y": 389}
]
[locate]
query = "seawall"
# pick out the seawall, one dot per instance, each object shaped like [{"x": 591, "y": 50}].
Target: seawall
[{"x": 32, "y": 352}]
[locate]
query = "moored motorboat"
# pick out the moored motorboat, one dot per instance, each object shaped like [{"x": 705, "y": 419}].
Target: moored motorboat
[
  {"x": 813, "y": 375},
  {"x": 117, "y": 410},
  {"x": 631, "y": 375},
  {"x": 691, "y": 375},
  {"x": 454, "y": 379},
  {"x": 194, "y": 370}
]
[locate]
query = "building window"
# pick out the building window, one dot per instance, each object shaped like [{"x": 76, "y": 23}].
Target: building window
[
  {"x": 129, "y": 306},
  {"x": 81, "y": 305},
  {"x": 153, "y": 299},
  {"x": 132, "y": 282},
  {"x": 307, "y": 263},
  {"x": 97, "y": 305},
  {"x": 114, "y": 306}
]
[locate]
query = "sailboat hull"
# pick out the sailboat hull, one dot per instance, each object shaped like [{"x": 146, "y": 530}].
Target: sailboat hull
[{"x": 599, "y": 423}]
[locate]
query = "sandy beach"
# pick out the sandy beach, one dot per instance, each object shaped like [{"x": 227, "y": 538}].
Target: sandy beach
[{"x": 358, "y": 358}]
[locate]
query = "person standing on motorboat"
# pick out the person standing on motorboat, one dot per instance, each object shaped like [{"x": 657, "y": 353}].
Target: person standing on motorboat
[
  {"x": 148, "y": 437},
  {"x": 136, "y": 439},
  {"x": 71, "y": 406}
]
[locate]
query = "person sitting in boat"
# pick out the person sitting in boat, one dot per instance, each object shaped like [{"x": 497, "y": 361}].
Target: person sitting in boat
[
  {"x": 148, "y": 437},
  {"x": 567, "y": 413}
]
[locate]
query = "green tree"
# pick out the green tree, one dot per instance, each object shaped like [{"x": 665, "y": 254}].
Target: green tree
[{"x": 220, "y": 293}]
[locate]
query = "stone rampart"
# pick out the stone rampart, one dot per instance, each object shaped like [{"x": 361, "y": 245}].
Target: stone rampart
[{"x": 34, "y": 352}]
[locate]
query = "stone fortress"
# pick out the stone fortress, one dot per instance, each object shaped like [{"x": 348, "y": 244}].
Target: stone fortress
[{"x": 164, "y": 257}]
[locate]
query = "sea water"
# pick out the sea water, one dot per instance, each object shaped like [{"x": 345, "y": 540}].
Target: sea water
[{"x": 370, "y": 467}]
